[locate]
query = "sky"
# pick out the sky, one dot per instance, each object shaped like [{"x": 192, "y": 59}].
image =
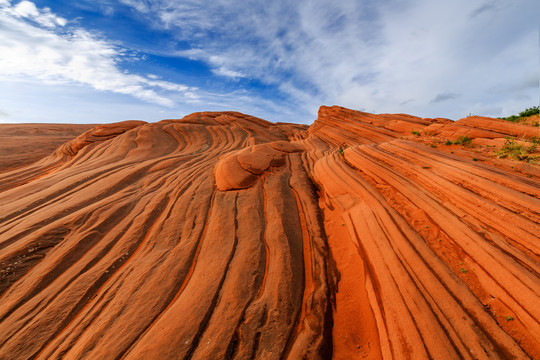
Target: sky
[{"x": 100, "y": 61}]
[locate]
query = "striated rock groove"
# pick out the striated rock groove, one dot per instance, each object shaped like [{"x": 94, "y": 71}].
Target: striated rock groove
[{"x": 224, "y": 236}]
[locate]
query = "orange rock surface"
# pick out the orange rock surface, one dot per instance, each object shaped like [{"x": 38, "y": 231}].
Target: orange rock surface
[
  {"x": 224, "y": 236},
  {"x": 23, "y": 144}
]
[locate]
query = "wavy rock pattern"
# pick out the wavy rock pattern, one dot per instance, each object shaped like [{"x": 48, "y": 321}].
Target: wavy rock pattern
[{"x": 224, "y": 236}]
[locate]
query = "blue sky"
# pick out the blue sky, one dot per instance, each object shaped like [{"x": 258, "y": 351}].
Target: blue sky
[{"x": 104, "y": 61}]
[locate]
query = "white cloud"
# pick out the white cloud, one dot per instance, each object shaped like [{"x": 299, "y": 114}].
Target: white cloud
[
  {"x": 108, "y": 11},
  {"x": 385, "y": 56},
  {"x": 167, "y": 85},
  {"x": 28, "y": 101},
  {"x": 138, "y": 5},
  {"x": 222, "y": 71},
  {"x": 75, "y": 55},
  {"x": 44, "y": 17},
  {"x": 26, "y": 9},
  {"x": 427, "y": 58}
]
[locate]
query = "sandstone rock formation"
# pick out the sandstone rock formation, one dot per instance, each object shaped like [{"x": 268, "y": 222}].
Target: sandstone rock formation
[
  {"x": 224, "y": 236},
  {"x": 23, "y": 144}
]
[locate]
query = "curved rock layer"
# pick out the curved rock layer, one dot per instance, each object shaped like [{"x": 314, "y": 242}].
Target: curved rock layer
[{"x": 224, "y": 236}]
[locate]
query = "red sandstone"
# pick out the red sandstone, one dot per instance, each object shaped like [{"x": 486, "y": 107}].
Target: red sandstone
[{"x": 224, "y": 236}]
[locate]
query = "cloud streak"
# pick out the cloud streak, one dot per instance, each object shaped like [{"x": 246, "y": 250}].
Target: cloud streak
[
  {"x": 382, "y": 56},
  {"x": 47, "y": 49},
  {"x": 281, "y": 60}
]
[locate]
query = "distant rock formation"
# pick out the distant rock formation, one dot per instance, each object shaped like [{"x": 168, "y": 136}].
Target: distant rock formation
[
  {"x": 23, "y": 144},
  {"x": 224, "y": 236}
]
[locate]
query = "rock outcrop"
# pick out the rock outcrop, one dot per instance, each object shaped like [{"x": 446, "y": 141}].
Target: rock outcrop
[{"x": 224, "y": 236}]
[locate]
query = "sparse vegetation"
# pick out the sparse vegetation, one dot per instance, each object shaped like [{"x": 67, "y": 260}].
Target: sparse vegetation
[
  {"x": 463, "y": 140},
  {"x": 517, "y": 151},
  {"x": 530, "y": 111},
  {"x": 342, "y": 148},
  {"x": 463, "y": 270},
  {"x": 509, "y": 318},
  {"x": 534, "y": 110},
  {"x": 512, "y": 118},
  {"x": 448, "y": 143},
  {"x": 415, "y": 132},
  {"x": 535, "y": 141}
]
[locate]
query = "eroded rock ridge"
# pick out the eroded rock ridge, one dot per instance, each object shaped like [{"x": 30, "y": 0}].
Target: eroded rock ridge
[{"x": 224, "y": 236}]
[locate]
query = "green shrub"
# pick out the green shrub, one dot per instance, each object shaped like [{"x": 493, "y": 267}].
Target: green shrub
[
  {"x": 527, "y": 112},
  {"x": 512, "y": 118},
  {"x": 530, "y": 111},
  {"x": 463, "y": 140}
]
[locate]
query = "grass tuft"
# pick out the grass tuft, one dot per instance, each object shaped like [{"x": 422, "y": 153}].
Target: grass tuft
[
  {"x": 463, "y": 140},
  {"x": 513, "y": 150}
]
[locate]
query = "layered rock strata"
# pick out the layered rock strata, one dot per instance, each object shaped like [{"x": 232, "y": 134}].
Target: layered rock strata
[{"x": 224, "y": 236}]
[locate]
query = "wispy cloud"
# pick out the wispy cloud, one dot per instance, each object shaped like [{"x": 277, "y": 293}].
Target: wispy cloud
[
  {"x": 383, "y": 56},
  {"x": 137, "y": 4},
  {"x": 49, "y": 49},
  {"x": 222, "y": 71},
  {"x": 282, "y": 59}
]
